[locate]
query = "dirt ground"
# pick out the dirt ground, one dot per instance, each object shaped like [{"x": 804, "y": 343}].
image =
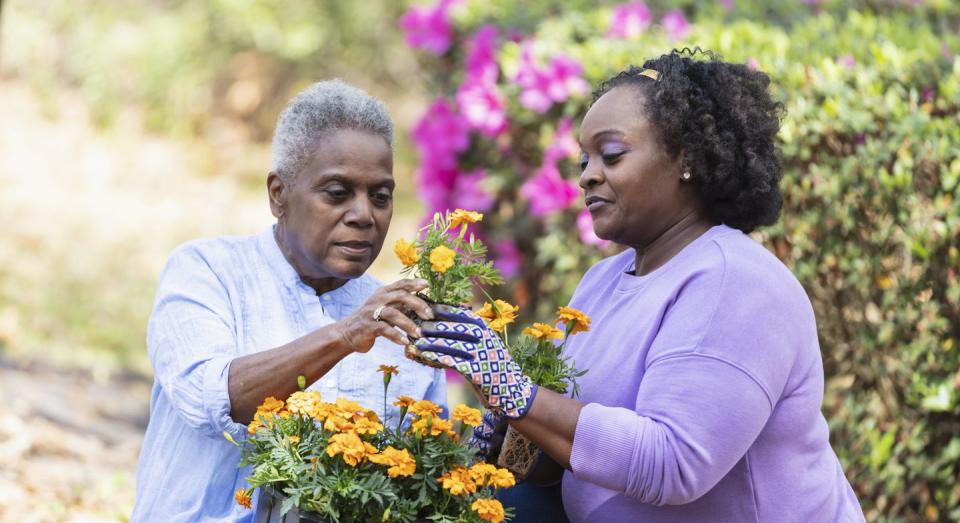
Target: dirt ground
[{"x": 68, "y": 444}]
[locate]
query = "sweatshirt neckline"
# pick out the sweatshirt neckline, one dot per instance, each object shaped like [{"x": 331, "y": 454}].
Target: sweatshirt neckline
[{"x": 627, "y": 282}]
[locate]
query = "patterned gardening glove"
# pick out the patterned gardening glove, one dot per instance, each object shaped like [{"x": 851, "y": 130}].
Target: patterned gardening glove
[
  {"x": 459, "y": 339},
  {"x": 488, "y": 437}
]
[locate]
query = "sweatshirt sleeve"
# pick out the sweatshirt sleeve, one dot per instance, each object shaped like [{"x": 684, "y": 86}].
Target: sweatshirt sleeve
[
  {"x": 191, "y": 342},
  {"x": 696, "y": 416}
]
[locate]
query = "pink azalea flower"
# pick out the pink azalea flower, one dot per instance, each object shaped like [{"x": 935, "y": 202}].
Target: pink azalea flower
[
  {"x": 848, "y": 61},
  {"x": 429, "y": 28},
  {"x": 629, "y": 20},
  {"x": 507, "y": 257},
  {"x": 564, "y": 145},
  {"x": 753, "y": 64},
  {"x": 447, "y": 189},
  {"x": 676, "y": 24},
  {"x": 587, "y": 234},
  {"x": 541, "y": 87},
  {"x": 728, "y": 5},
  {"x": 440, "y": 134},
  {"x": 479, "y": 98},
  {"x": 483, "y": 107},
  {"x": 481, "y": 61},
  {"x": 548, "y": 192}
]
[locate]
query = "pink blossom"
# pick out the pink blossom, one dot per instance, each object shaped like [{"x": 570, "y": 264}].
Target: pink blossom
[
  {"x": 440, "y": 134},
  {"x": 481, "y": 61},
  {"x": 564, "y": 145},
  {"x": 629, "y": 20},
  {"x": 728, "y": 5},
  {"x": 541, "y": 87},
  {"x": 446, "y": 189},
  {"x": 483, "y": 107},
  {"x": 945, "y": 52},
  {"x": 479, "y": 98},
  {"x": 507, "y": 257},
  {"x": 753, "y": 64},
  {"x": 676, "y": 24},
  {"x": 429, "y": 28},
  {"x": 587, "y": 234},
  {"x": 848, "y": 61},
  {"x": 548, "y": 192}
]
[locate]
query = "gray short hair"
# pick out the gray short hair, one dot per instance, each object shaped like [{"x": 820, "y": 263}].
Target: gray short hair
[{"x": 323, "y": 107}]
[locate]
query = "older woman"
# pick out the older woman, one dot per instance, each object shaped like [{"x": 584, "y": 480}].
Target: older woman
[
  {"x": 702, "y": 400},
  {"x": 238, "y": 319}
]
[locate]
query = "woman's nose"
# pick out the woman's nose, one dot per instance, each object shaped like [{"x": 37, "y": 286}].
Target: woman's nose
[
  {"x": 590, "y": 176},
  {"x": 360, "y": 213}
]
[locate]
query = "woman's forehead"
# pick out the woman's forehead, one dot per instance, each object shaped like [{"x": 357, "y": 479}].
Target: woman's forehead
[{"x": 619, "y": 111}]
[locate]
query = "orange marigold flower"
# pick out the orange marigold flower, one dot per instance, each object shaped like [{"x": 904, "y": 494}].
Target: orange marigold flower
[
  {"x": 441, "y": 258},
  {"x": 367, "y": 426},
  {"x": 243, "y": 498},
  {"x": 406, "y": 252},
  {"x": 271, "y": 404},
  {"x": 461, "y": 217},
  {"x": 468, "y": 415},
  {"x": 458, "y": 482},
  {"x": 349, "y": 408},
  {"x": 294, "y": 440},
  {"x": 349, "y": 445},
  {"x": 338, "y": 424},
  {"x": 324, "y": 411},
  {"x": 401, "y": 463},
  {"x": 388, "y": 369},
  {"x": 303, "y": 402},
  {"x": 481, "y": 471},
  {"x": 542, "y": 331},
  {"x": 489, "y": 510},
  {"x": 575, "y": 320},
  {"x": 404, "y": 401},
  {"x": 498, "y": 314},
  {"x": 425, "y": 408},
  {"x": 438, "y": 426},
  {"x": 502, "y": 478}
]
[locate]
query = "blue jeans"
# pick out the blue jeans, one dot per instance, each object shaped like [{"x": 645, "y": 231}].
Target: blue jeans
[{"x": 532, "y": 504}]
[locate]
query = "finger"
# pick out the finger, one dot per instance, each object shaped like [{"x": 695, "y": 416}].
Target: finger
[
  {"x": 389, "y": 332},
  {"x": 411, "y": 302},
  {"x": 449, "y": 335},
  {"x": 442, "y": 349},
  {"x": 448, "y": 313},
  {"x": 406, "y": 285},
  {"x": 395, "y": 318}
]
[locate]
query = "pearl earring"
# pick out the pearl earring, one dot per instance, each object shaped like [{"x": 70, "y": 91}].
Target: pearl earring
[{"x": 685, "y": 176}]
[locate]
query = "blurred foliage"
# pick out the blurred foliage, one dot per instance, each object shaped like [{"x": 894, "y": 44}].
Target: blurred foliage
[
  {"x": 871, "y": 224},
  {"x": 189, "y": 62}
]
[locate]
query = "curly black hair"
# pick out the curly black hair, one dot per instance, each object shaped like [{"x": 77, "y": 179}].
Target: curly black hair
[{"x": 723, "y": 118}]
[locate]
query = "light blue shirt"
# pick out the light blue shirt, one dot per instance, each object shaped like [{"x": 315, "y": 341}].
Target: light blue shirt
[{"x": 219, "y": 299}]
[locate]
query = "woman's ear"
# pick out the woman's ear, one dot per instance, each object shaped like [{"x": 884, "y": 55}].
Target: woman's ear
[{"x": 277, "y": 194}]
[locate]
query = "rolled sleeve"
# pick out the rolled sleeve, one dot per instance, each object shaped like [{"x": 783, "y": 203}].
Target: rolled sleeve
[{"x": 191, "y": 342}]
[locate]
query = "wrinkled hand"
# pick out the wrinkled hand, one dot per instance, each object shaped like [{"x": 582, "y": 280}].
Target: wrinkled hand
[
  {"x": 460, "y": 340},
  {"x": 488, "y": 437},
  {"x": 360, "y": 329}
]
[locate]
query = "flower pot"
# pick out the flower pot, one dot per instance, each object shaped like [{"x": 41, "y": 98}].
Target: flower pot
[
  {"x": 518, "y": 454},
  {"x": 268, "y": 510}
]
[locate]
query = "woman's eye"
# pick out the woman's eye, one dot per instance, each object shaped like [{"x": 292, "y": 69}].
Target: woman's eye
[
  {"x": 380, "y": 198},
  {"x": 338, "y": 194},
  {"x": 612, "y": 158},
  {"x": 584, "y": 160}
]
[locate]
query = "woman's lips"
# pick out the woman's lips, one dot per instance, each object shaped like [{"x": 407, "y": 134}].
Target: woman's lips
[{"x": 355, "y": 248}]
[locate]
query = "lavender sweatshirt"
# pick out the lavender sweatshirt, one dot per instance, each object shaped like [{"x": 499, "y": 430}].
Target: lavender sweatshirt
[{"x": 702, "y": 400}]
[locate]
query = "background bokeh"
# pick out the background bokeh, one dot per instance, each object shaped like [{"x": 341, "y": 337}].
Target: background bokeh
[{"x": 131, "y": 126}]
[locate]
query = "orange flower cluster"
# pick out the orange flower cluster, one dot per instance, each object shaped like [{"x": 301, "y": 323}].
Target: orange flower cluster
[
  {"x": 574, "y": 319},
  {"x": 401, "y": 463},
  {"x": 489, "y": 510},
  {"x": 498, "y": 314},
  {"x": 461, "y": 480}
]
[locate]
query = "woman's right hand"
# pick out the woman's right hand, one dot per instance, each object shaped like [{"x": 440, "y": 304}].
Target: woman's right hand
[{"x": 390, "y": 304}]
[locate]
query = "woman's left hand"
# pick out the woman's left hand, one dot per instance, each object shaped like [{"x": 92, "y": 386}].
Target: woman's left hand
[{"x": 461, "y": 340}]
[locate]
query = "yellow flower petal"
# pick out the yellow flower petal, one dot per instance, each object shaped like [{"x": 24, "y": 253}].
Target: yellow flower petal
[
  {"x": 441, "y": 258},
  {"x": 406, "y": 252},
  {"x": 461, "y": 217}
]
